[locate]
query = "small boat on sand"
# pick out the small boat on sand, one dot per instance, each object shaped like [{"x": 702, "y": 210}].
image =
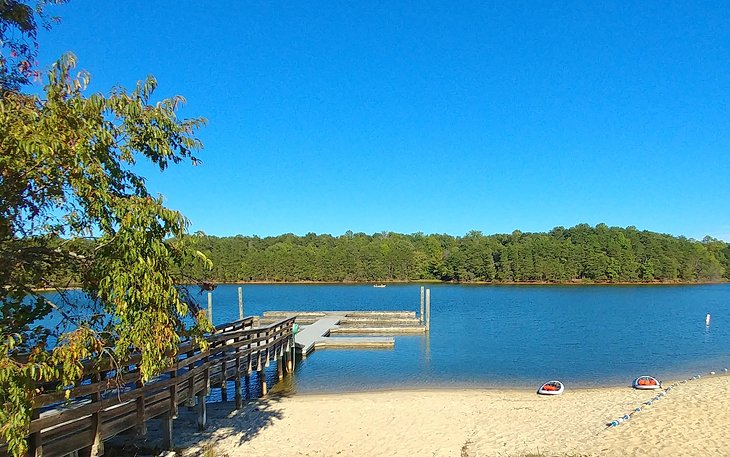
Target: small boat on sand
[
  {"x": 551, "y": 388},
  {"x": 379, "y": 285},
  {"x": 646, "y": 383}
]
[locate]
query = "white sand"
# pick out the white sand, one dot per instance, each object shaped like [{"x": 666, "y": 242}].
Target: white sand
[{"x": 693, "y": 419}]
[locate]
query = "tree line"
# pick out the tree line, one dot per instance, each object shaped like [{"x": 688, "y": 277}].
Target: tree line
[{"x": 582, "y": 253}]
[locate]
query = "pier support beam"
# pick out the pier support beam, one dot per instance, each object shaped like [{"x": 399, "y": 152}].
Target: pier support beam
[
  {"x": 288, "y": 362},
  {"x": 202, "y": 412},
  {"x": 263, "y": 388},
  {"x": 167, "y": 441},
  {"x": 224, "y": 382},
  {"x": 237, "y": 384},
  {"x": 280, "y": 367}
]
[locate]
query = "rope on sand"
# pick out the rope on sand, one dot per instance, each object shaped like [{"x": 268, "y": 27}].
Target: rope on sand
[{"x": 638, "y": 409}]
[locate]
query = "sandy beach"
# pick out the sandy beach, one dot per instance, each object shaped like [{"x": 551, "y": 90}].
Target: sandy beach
[{"x": 691, "y": 419}]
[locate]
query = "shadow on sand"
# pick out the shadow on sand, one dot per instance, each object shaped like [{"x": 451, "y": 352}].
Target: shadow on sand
[{"x": 223, "y": 423}]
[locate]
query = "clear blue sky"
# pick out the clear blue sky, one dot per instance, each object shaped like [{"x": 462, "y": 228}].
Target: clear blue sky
[{"x": 439, "y": 117}]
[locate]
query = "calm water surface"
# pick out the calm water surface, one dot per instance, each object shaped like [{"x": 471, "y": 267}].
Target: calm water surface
[{"x": 492, "y": 336}]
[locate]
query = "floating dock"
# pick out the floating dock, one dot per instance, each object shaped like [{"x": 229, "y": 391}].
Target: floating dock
[{"x": 318, "y": 327}]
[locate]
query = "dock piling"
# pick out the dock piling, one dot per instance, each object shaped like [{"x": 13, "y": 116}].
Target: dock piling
[
  {"x": 420, "y": 316},
  {"x": 224, "y": 382},
  {"x": 263, "y": 388},
  {"x": 428, "y": 309},
  {"x": 202, "y": 412},
  {"x": 240, "y": 302},
  {"x": 210, "y": 307},
  {"x": 167, "y": 441}
]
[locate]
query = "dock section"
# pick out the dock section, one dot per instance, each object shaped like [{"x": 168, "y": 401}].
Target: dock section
[{"x": 317, "y": 328}]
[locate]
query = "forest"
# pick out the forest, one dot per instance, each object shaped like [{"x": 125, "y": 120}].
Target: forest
[{"x": 578, "y": 254}]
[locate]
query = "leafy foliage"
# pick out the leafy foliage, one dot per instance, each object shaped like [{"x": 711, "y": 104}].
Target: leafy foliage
[
  {"x": 71, "y": 207},
  {"x": 581, "y": 253},
  {"x": 18, "y": 47}
]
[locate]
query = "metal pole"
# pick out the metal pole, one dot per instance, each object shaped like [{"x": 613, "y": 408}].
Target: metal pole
[
  {"x": 240, "y": 302},
  {"x": 420, "y": 316},
  {"x": 428, "y": 309},
  {"x": 210, "y": 307}
]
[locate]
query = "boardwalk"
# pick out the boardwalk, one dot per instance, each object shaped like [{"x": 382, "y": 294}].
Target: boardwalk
[{"x": 110, "y": 402}]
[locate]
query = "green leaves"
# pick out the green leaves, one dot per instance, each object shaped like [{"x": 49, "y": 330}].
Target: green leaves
[{"x": 72, "y": 209}]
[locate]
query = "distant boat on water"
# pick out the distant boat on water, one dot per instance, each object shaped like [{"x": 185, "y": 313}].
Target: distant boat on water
[{"x": 379, "y": 285}]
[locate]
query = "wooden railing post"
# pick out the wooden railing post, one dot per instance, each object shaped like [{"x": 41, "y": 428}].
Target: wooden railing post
[
  {"x": 173, "y": 391},
  {"x": 237, "y": 384},
  {"x": 190, "y": 399},
  {"x": 141, "y": 427},
  {"x": 97, "y": 448},
  {"x": 167, "y": 441},
  {"x": 35, "y": 442},
  {"x": 224, "y": 381},
  {"x": 202, "y": 412}
]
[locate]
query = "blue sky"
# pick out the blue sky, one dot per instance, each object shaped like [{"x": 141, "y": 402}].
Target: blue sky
[{"x": 438, "y": 117}]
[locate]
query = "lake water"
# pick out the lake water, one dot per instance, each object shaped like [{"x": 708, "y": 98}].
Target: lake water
[{"x": 493, "y": 336}]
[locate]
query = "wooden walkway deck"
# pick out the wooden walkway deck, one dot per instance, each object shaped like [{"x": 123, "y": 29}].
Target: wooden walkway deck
[{"x": 109, "y": 402}]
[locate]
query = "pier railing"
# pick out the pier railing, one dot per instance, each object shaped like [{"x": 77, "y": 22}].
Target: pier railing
[{"x": 113, "y": 400}]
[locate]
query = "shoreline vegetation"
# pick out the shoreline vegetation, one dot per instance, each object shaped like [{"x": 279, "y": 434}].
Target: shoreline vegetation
[
  {"x": 487, "y": 283},
  {"x": 435, "y": 281},
  {"x": 576, "y": 255},
  {"x": 579, "y": 255}
]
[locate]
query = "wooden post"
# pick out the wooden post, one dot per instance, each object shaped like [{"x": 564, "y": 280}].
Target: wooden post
[
  {"x": 35, "y": 443},
  {"x": 190, "y": 401},
  {"x": 420, "y": 316},
  {"x": 97, "y": 447},
  {"x": 280, "y": 368},
  {"x": 428, "y": 310},
  {"x": 167, "y": 441},
  {"x": 141, "y": 427},
  {"x": 210, "y": 307},
  {"x": 173, "y": 393},
  {"x": 240, "y": 302},
  {"x": 285, "y": 361},
  {"x": 224, "y": 381},
  {"x": 202, "y": 411},
  {"x": 237, "y": 383},
  {"x": 263, "y": 388}
]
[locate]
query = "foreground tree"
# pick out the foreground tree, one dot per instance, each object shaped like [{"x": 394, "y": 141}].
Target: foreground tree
[{"x": 72, "y": 209}]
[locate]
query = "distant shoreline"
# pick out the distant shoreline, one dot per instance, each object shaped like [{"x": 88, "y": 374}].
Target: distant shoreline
[
  {"x": 481, "y": 283},
  {"x": 433, "y": 281}
]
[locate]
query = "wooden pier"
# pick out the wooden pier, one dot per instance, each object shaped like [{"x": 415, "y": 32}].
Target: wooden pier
[
  {"x": 318, "y": 328},
  {"x": 109, "y": 402},
  {"x": 110, "y": 399}
]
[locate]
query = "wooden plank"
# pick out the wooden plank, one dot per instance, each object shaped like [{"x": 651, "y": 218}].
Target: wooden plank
[
  {"x": 355, "y": 342},
  {"x": 370, "y": 330},
  {"x": 66, "y": 445}
]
